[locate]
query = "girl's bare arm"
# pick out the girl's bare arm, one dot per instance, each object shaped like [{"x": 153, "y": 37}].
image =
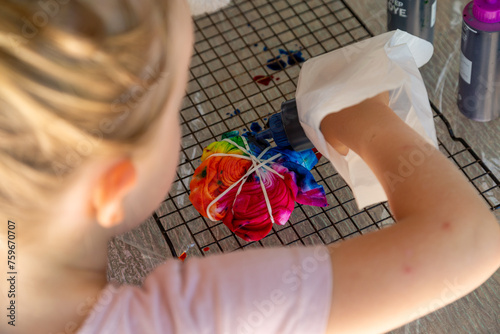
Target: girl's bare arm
[{"x": 446, "y": 241}]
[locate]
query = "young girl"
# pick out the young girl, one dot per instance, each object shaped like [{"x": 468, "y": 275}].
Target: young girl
[{"x": 89, "y": 137}]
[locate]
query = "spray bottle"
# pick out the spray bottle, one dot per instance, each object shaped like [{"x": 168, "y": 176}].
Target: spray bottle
[
  {"x": 478, "y": 91},
  {"x": 416, "y": 17},
  {"x": 285, "y": 129}
]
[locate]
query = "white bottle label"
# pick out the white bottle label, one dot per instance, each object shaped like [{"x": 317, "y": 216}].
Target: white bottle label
[
  {"x": 433, "y": 13},
  {"x": 397, "y": 8},
  {"x": 465, "y": 68}
]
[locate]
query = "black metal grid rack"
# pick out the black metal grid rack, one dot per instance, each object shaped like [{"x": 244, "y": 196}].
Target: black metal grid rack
[{"x": 232, "y": 47}]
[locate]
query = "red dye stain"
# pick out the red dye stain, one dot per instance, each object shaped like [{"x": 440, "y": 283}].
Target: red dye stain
[
  {"x": 318, "y": 155},
  {"x": 183, "y": 256},
  {"x": 263, "y": 80},
  {"x": 206, "y": 249}
]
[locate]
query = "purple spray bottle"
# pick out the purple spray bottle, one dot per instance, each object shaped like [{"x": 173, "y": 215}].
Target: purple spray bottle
[{"x": 479, "y": 79}]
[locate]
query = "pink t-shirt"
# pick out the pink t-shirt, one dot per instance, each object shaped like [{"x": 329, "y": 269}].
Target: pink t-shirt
[{"x": 273, "y": 290}]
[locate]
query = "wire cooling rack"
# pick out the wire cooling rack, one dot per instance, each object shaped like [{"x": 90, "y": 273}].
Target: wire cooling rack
[{"x": 246, "y": 63}]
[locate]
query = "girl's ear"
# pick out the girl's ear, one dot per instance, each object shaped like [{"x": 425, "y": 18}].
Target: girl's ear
[{"x": 111, "y": 188}]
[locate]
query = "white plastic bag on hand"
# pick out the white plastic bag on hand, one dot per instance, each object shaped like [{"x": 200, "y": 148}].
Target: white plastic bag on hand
[{"x": 345, "y": 77}]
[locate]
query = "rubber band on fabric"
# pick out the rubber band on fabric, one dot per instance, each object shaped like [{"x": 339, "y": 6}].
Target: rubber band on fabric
[
  {"x": 240, "y": 182},
  {"x": 247, "y": 158},
  {"x": 259, "y": 175},
  {"x": 251, "y": 156},
  {"x": 257, "y": 163}
]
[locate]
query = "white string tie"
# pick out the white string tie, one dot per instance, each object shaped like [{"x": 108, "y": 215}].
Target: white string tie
[{"x": 257, "y": 164}]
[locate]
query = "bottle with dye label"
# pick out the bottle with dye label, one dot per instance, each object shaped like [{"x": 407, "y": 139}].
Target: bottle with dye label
[
  {"x": 479, "y": 78},
  {"x": 416, "y": 17},
  {"x": 284, "y": 127}
]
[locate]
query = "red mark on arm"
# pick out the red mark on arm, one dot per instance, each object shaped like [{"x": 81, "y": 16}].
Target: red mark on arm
[
  {"x": 446, "y": 226},
  {"x": 407, "y": 269},
  {"x": 407, "y": 147},
  {"x": 206, "y": 249}
]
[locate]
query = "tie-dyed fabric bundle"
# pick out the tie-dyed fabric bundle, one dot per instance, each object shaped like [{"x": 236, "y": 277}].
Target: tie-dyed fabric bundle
[{"x": 249, "y": 185}]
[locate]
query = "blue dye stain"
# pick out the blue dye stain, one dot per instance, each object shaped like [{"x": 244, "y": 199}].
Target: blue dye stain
[
  {"x": 276, "y": 64},
  {"x": 265, "y": 119},
  {"x": 265, "y": 48},
  {"x": 245, "y": 130},
  {"x": 294, "y": 57},
  {"x": 255, "y": 44},
  {"x": 234, "y": 113},
  {"x": 255, "y": 127}
]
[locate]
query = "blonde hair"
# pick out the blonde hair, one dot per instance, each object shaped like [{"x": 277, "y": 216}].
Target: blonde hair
[{"x": 74, "y": 84}]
